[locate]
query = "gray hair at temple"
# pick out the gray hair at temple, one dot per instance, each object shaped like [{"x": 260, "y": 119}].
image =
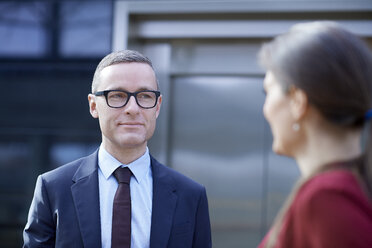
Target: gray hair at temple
[{"x": 123, "y": 56}]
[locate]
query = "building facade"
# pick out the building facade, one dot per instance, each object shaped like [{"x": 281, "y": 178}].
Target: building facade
[{"x": 211, "y": 126}]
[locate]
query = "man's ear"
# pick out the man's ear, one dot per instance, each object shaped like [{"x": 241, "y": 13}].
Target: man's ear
[
  {"x": 92, "y": 105},
  {"x": 158, "y": 106},
  {"x": 299, "y": 103}
]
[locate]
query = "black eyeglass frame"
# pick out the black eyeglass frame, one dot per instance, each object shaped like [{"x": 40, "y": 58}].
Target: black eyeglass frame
[{"x": 134, "y": 94}]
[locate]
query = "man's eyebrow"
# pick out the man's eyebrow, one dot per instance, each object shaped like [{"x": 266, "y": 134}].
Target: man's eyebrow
[{"x": 145, "y": 88}]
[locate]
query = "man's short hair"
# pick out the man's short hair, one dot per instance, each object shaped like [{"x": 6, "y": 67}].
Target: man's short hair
[{"x": 123, "y": 56}]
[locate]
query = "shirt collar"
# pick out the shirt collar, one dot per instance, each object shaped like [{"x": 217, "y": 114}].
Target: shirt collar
[{"x": 108, "y": 164}]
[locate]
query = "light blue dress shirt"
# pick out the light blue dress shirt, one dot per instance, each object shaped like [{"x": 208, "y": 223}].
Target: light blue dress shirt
[{"x": 141, "y": 197}]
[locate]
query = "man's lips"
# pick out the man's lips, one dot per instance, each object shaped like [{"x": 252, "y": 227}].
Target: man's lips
[{"x": 131, "y": 124}]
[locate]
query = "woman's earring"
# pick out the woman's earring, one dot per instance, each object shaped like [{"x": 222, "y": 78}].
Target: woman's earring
[{"x": 296, "y": 127}]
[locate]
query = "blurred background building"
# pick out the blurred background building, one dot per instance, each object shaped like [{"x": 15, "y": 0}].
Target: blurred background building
[{"x": 211, "y": 126}]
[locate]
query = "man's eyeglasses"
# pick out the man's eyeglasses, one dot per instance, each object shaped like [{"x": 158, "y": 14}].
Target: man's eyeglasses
[{"x": 119, "y": 98}]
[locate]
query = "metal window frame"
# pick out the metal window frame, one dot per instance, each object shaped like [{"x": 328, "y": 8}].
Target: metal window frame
[{"x": 209, "y": 28}]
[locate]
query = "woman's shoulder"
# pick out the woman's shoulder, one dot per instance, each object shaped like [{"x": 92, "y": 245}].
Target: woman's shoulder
[
  {"x": 331, "y": 204},
  {"x": 331, "y": 181},
  {"x": 333, "y": 189}
]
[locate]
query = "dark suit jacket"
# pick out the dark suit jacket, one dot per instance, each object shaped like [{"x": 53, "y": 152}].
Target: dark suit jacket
[{"x": 65, "y": 209}]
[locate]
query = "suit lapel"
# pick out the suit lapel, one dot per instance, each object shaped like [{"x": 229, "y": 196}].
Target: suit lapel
[
  {"x": 163, "y": 205},
  {"x": 86, "y": 199}
]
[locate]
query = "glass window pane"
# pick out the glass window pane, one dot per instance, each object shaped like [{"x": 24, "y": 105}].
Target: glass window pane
[
  {"x": 217, "y": 139},
  {"x": 85, "y": 28},
  {"x": 15, "y": 161},
  {"x": 16, "y": 176},
  {"x": 65, "y": 152},
  {"x": 282, "y": 174},
  {"x": 21, "y": 22}
]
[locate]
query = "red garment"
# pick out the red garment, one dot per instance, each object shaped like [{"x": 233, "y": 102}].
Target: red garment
[{"x": 330, "y": 210}]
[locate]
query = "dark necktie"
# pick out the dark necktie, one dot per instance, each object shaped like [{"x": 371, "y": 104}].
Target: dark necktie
[{"x": 121, "y": 214}]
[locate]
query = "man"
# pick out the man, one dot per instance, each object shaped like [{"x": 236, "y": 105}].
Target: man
[{"x": 73, "y": 205}]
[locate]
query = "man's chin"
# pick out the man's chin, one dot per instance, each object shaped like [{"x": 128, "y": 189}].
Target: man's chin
[{"x": 132, "y": 142}]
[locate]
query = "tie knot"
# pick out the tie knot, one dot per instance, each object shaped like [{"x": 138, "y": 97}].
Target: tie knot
[{"x": 123, "y": 175}]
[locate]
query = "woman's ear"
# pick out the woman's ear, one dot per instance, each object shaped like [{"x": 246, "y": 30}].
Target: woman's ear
[{"x": 298, "y": 103}]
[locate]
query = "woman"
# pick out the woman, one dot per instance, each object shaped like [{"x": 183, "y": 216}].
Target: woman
[{"x": 319, "y": 99}]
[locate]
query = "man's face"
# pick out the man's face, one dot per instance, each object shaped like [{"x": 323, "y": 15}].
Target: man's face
[{"x": 131, "y": 126}]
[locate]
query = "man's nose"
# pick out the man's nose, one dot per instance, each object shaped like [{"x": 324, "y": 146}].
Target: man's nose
[{"x": 131, "y": 104}]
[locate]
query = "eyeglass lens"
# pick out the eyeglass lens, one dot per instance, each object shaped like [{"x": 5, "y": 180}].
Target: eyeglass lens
[{"x": 144, "y": 99}]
